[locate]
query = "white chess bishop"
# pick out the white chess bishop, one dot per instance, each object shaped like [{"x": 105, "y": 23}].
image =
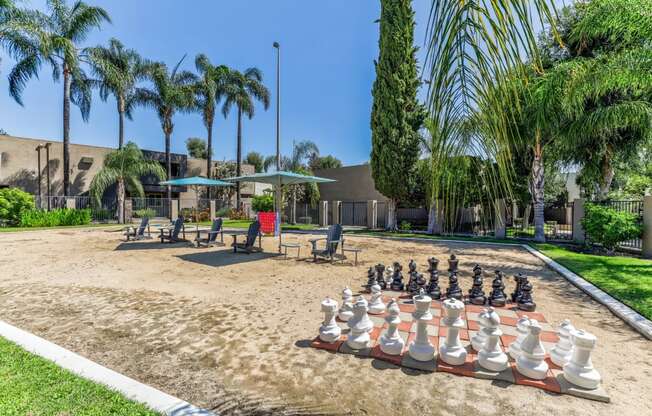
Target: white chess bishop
[
  {"x": 522, "y": 325},
  {"x": 491, "y": 356},
  {"x": 391, "y": 342},
  {"x": 346, "y": 310},
  {"x": 452, "y": 351},
  {"x": 421, "y": 349},
  {"x": 329, "y": 331},
  {"x": 376, "y": 305},
  {"x": 560, "y": 354},
  {"x": 360, "y": 325},
  {"x": 579, "y": 369},
  {"x": 531, "y": 360},
  {"x": 477, "y": 340}
]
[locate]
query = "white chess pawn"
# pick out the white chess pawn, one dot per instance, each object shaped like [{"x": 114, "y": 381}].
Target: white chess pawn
[
  {"x": 376, "y": 305},
  {"x": 491, "y": 356},
  {"x": 477, "y": 340},
  {"x": 561, "y": 352},
  {"x": 522, "y": 325},
  {"x": 579, "y": 370},
  {"x": 531, "y": 360},
  {"x": 329, "y": 331},
  {"x": 360, "y": 325},
  {"x": 346, "y": 311},
  {"x": 391, "y": 342},
  {"x": 421, "y": 349},
  {"x": 452, "y": 351}
]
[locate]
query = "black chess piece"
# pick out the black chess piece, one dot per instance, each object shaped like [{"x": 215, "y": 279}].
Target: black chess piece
[
  {"x": 525, "y": 302},
  {"x": 476, "y": 294},
  {"x": 453, "y": 290},
  {"x": 518, "y": 290},
  {"x": 497, "y": 295},
  {"x": 453, "y": 263},
  {"x": 397, "y": 278},
  {"x": 432, "y": 289},
  {"x": 371, "y": 278},
  {"x": 380, "y": 276},
  {"x": 413, "y": 284}
]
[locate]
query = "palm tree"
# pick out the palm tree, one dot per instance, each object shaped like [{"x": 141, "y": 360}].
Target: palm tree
[
  {"x": 118, "y": 70},
  {"x": 209, "y": 90},
  {"x": 57, "y": 44},
  {"x": 241, "y": 89},
  {"x": 124, "y": 167},
  {"x": 170, "y": 92}
]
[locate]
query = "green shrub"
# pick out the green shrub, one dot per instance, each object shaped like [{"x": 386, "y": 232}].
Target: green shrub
[
  {"x": 223, "y": 212},
  {"x": 13, "y": 202},
  {"x": 263, "y": 203},
  {"x": 54, "y": 218},
  {"x": 608, "y": 227},
  {"x": 405, "y": 226},
  {"x": 145, "y": 212},
  {"x": 237, "y": 214}
]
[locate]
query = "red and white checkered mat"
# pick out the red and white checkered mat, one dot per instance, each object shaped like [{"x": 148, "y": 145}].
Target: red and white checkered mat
[{"x": 509, "y": 314}]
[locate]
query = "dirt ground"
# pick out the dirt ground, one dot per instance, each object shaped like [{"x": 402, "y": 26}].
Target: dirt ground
[{"x": 210, "y": 326}]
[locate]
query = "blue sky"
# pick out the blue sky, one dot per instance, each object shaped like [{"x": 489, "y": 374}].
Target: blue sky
[{"x": 328, "y": 48}]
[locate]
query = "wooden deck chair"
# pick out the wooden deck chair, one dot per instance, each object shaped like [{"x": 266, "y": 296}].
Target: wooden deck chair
[
  {"x": 211, "y": 235},
  {"x": 171, "y": 234},
  {"x": 333, "y": 240},
  {"x": 248, "y": 246},
  {"x": 138, "y": 233}
]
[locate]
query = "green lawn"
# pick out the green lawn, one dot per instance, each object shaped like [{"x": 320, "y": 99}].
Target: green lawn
[{"x": 31, "y": 385}]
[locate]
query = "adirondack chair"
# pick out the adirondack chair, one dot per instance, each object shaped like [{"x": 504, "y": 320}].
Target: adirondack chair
[
  {"x": 248, "y": 245},
  {"x": 211, "y": 235},
  {"x": 171, "y": 234},
  {"x": 333, "y": 240},
  {"x": 138, "y": 233}
]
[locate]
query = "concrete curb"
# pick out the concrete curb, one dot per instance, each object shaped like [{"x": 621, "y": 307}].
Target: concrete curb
[{"x": 130, "y": 388}]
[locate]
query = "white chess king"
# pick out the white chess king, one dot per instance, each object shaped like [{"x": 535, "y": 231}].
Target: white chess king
[
  {"x": 360, "y": 325},
  {"x": 329, "y": 331},
  {"x": 421, "y": 349},
  {"x": 579, "y": 369},
  {"x": 391, "y": 342},
  {"x": 452, "y": 351}
]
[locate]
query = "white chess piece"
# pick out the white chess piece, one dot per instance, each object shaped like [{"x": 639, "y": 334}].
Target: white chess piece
[
  {"x": 391, "y": 342},
  {"x": 478, "y": 340},
  {"x": 360, "y": 325},
  {"x": 421, "y": 349},
  {"x": 491, "y": 356},
  {"x": 579, "y": 370},
  {"x": 522, "y": 325},
  {"x": 329, "y": 331},
  {"x": 346, "y": 311},
  {"x": 376, "y": 305},
  {"x": 531, "y": 360},
  {"x": 561, "y": 352},
  {"x": 451, "y": 351}
]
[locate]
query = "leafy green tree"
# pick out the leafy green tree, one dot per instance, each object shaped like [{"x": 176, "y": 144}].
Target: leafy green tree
[
  {"x": 171, "y": 91},
  {"x": 255, "y": 159},
  {"x": 396, "y": 116},
  {"x": 241, "y": 89},
  {"x": 324, "y": 162},
  {"x": 118, "y": 71},
  {"x": 124, "y": 167},
  {"x": 56, "y": 43},
  {"x": 197, "y": 147}
]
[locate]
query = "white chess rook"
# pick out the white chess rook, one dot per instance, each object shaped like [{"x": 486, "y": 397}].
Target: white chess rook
[
  {"x": 522, "y": 325},
  {"x": 421, "y": 349},
  {"x": 477, "y": 340},
  {"x": 360, "y": 325},
  {"x": 560, "y": 354},
  {"x": 329, "y": 331},
  {"x": 579, "y": 370},
  {"x": 531, "y": 361},
  {"x": 452, "y": 351},
  {"x": 346, "y": 311},
  {"x": 376, "y": 305},
  {"x": 491, "y": 356},
  {"x": 391, "y": 342}
]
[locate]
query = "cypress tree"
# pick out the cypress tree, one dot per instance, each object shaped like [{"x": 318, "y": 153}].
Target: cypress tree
[{"x": 396, "y": 116}]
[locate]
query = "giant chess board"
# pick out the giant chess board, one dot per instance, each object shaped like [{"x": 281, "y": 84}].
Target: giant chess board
[{"x": 509, "y": 314}]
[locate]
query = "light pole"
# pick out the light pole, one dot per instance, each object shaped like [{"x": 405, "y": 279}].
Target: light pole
[{"x": 277, "y": 228}]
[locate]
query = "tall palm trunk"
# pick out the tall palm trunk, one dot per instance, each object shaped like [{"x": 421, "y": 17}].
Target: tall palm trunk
[
  {"x": 168, "y": 162},
  {"x": 209, "y": 150},
  {"x": 66, "y": 130},
  {"x": 121, "y": 123},
  {"x": 121, "y": 201},
  {"x": 607, "y": 174},
  {"x": 537, "y": 192},
  {"x": 238, "y": 157}
]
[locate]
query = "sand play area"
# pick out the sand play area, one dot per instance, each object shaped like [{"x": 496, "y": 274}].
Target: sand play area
[{"x": 211, "y": 326}]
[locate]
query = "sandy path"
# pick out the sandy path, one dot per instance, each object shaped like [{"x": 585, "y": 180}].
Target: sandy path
[{"x": 197, "y": 323}]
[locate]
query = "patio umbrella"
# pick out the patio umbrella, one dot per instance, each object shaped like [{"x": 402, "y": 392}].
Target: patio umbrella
[
  {"x": 195, "y": 182},
  {"x": 278, "y": 179}
]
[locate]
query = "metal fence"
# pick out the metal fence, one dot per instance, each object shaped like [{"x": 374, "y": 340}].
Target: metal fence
[
  {"x": 106, "y": 210},
  {"x": 353, "y": 213},
  {"x": 558, "y": 222},
  {"x": 381, "y": 213},
  {"x": 633, "y": 207},
  {"x": 305, "y": 213}
]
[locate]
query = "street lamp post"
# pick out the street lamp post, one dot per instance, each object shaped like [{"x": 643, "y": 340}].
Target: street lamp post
[{"x": 277, "y": 228}]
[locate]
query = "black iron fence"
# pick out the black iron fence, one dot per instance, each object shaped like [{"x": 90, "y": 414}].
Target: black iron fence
[
  {"x": 633, "y": 207},
  {"x": 558, "y": 222},
  {"x": 304, "y": 213},
  {"x": 104, "y": 211},
  {"x": 353, "y": 213}
]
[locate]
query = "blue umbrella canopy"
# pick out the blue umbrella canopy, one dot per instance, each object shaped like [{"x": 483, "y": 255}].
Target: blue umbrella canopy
[
  {"x": 279, "y": 178},
  {"x": 195, "y": 181}
]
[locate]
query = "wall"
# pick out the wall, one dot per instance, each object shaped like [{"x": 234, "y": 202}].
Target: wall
[{"x": 354, "y": 183}]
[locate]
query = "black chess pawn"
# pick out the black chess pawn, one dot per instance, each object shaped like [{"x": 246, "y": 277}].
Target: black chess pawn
[
  {"x": 421, "y": 281},
  {"x": 497, "y": 295},
  {"x": 525, "y": 302},
  {"x": 397, "y": 278},
  {"x": 453, "y": 263},
  {"x": 453, "y": 290},
  {"x": 371, "y": 278},
  {"x": 380, "y": 276},
  {"x": 476, "y": 294},
  {"x": 432, "y": 288},
  {"x": 518, "y": 290},
  {"x": 413, "y": 283}
]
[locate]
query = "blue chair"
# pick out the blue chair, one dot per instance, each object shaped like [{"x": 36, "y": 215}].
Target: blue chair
[{"x": 333, "y": 241}]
